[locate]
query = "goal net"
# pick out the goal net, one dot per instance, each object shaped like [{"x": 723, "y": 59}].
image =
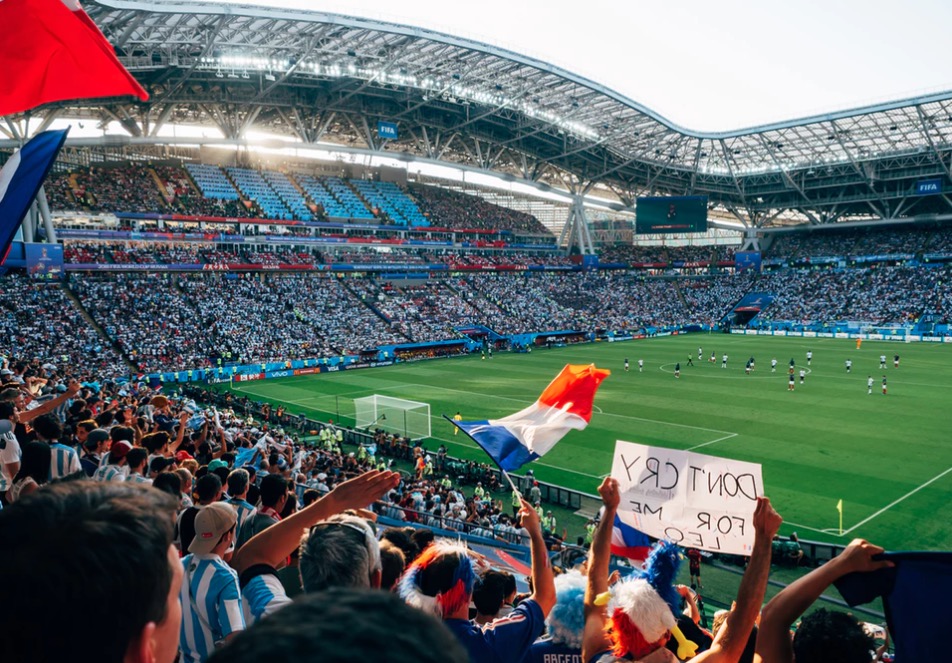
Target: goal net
[{"x": 411, "y": 419}]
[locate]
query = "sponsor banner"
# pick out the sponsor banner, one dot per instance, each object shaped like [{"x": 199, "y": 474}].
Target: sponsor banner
[
  {"x": 913, "y": 337},
  {"x": 738, "y": 331},
  {"x": 841, "y": 335},
  {"x": 928, "y": 187},
  {"x": 780, "y": 332},
  {"x": 809, "y": 334},
  {"x": 138, "y": 267},
  {"x": 387, "y": 130},
  {"x": 931, "y": 339},
  {"x": 306, "y": 371},
  {"x": 692, "y": 499},
  {"x": 824, "y": 335},
  {"x": 248, "y": 377},
  {"x": 874, "y": 337},
  {"x": 752, "y": 332},
  {"x": 278, "y": 374}
]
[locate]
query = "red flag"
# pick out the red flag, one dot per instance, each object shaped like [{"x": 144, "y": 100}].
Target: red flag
[{"x": 52, "y": 51}]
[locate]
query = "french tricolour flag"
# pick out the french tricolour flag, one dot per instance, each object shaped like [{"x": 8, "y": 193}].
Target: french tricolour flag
[
  {"x": 629, "y": 542},
  {"x": 520, "y": 438},
  {"x": 52, "y": 51},
  {"x": 21, "y": 178}
]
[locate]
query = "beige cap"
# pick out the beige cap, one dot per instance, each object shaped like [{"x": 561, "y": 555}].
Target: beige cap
[{"x": 211, "y": 524}]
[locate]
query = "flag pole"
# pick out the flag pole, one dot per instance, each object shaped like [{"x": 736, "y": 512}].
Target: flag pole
[{"x": 839, "y": 507}]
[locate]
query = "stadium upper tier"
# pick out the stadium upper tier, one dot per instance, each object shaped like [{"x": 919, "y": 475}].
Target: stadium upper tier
[
  {"x": 177, "y": 322},
  {"x": 207, "y": 190},
  {"x": 318, "y": 78}
]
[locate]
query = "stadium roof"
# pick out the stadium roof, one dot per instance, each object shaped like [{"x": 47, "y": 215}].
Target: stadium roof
[{"x": 330, "y": 78}]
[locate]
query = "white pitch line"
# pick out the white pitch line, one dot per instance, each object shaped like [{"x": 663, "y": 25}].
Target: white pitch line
[
  {"x": 704, "y": 444},
  {"x": 812, "y": 529},
  {"x": 897, "y": 501}
]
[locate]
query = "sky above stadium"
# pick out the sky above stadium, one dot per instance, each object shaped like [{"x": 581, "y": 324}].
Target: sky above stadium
[{"x": 707, "y": 66}]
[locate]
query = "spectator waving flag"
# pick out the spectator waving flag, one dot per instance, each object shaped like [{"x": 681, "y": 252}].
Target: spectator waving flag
[
  {"x": 520, "y": 438},
  {"x": 21, "y": 178},
  {"x": 52, "y": 51},
  {"x": 629, "y": 542}
]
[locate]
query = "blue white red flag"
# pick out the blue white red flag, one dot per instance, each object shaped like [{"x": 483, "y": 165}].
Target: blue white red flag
[
  {"x": 520, "y": 438},
  {"x": 21, "y": 178},
  {"x": 629, "y": 542}
]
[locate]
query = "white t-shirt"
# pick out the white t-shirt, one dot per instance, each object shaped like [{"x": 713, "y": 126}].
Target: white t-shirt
[{"x": 10, "y": 454}]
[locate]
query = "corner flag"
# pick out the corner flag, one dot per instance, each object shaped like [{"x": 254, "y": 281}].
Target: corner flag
[{"x": 839, "y": 507}]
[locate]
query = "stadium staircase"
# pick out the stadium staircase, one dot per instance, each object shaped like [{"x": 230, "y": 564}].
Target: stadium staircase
[
  {"x": 369, "y": 304},
  {"x": 163, "y": 190},
  {"x": 73, "y": 297}
]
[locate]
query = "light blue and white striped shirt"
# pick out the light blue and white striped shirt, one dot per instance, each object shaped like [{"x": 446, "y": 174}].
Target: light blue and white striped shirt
[
  {"x": 211, "y": 605},
  {"x": 63, "y": 461},
  {"x": 244, "y": 511},
  {"x": 263, "y": 595},
  {"x": 111, "y": 473}
]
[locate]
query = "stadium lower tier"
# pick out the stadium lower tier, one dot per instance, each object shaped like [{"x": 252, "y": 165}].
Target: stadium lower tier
[{"x": 154, "y": 322}]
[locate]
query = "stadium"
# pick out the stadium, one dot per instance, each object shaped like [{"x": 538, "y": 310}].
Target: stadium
[{"x": 319, "y": 237}]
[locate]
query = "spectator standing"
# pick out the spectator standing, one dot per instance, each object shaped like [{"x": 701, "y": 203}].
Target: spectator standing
[{"x": 211, "y": 600}]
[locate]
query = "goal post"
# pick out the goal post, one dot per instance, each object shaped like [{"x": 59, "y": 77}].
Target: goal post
[{"x": 411, "y": 419}]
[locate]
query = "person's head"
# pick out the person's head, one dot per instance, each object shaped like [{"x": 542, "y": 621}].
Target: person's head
[
  {"x": 341, "y": 551},
  {"x": 136, "y": 460},
  {"x": 105, "y": 551},
  {"x": 48, "y": 428},
  {"x": 238, "y": 481},
  {"x": 566, "y": 621},
  {"x": 274, "y": 491},
  {"x": 440, "y": 581},
  {"x": 489, "y": 593},
  {"x": 83, "y": 429},
  {"x": 186, "y": 478},
  {"x": 381, "y": 626},
  {"x": 160, "y": 465},
  {"x": 310, "y": 496},
  {"x": 826, "y": 636},
  {"x": 402, "y": 539},
  {"x": 155, "y": 442},
  {"x": 96, "y": 440},
  {"x": 170, "y": 483},
  {"x": 214, "y": 530},
  {"x": 208, "y": 489},
  {"x": 7, "y": 410},
  {"x": 118, "y": 452},
  {"x": 35, "y": 462},
  {"x": 392, "y": 565},
  {"x": 119, "y": 433}
]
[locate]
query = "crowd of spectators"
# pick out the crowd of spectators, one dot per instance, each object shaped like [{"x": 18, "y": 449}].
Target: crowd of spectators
[
  {"x": 451, "y": 209},
  {"x": 228, "y": 537},
  {"x": 129, "y": 188},
  {"x": 39, "y": 321}
]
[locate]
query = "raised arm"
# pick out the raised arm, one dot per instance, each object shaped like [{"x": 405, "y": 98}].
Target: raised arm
[
  {"x": 50, "y": 405},
  {"x": 594, "y": 638},
  {"x": 732, "y": 638},
  {"x": 274, "y": 544},
  {"x": 543, "y": 581},
  {"x": 773, "y": 638}
]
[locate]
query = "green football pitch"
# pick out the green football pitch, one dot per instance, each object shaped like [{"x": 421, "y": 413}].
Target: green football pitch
[{"x": 889, "y": 458}]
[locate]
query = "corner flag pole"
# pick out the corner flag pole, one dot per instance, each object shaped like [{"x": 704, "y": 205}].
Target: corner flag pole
[{"x": 839, "y": 507}]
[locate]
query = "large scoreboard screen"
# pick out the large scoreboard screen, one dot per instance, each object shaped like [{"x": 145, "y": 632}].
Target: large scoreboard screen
[{"x": 671, "y": 214}]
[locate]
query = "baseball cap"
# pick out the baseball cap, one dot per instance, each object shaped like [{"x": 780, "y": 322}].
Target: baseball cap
[
  {"x": 183, "y": 455},
  {"x": 96, "y": 436},
  {"x": 6, "y": 371},
  {"x": 119, "y": 450},
  {"x": 211, "y": 523},
  {"x": 215, "y": 464},
  {"x": 160, "y": 463}
]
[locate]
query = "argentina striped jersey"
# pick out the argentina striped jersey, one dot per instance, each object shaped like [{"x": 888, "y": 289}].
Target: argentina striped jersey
[{"x": 211, "y": 605}]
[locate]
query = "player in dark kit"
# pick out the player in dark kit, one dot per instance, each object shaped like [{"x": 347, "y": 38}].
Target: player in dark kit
[{"x": 677, "y": 370}]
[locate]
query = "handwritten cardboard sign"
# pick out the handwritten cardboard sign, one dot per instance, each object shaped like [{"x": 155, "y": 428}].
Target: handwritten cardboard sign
[{"x": 695, "y": 500}]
